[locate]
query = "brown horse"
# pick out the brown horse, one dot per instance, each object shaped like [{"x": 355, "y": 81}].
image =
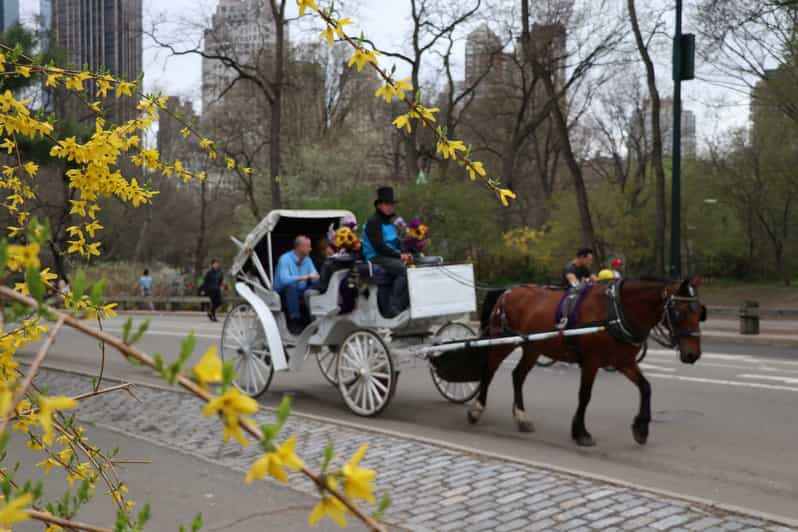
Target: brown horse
[{"x": 629, "y": 309}]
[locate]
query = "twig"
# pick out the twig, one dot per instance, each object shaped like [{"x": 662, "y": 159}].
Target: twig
[
  {"x": 120, "y": 501},
  {"x": 102, "y": 356},
  {"x": 110, "y": 389},
  {"x": 125, "y": 462},
  {"x": 130, "y": 351},
  {"x": 34, "y": 368},
  {"x": 65, "y": 523}
]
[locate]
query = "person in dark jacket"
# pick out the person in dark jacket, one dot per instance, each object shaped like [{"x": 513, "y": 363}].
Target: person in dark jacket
[
  {"x": 212, "y": 287},
  {"x": 578, "y": 271},
  {"x": 381, "y": 247}
]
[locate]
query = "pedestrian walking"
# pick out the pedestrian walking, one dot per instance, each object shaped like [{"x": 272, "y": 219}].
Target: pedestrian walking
[
  {"x": 145, "y": 288},
  {"x": 212, "y": 287}
]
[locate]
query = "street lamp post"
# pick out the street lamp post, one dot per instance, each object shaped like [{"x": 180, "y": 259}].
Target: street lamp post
[{"x": 683, "y": 69}]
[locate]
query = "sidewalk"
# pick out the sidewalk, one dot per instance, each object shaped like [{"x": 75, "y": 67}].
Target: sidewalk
[
  {"x": 432, "y": 487},
  {"x": 177, "y": 485},
  {"x": 771, "y": 332}
]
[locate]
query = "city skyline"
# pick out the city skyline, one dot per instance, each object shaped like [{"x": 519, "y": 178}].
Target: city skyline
[{"x": 716, "y": 108}]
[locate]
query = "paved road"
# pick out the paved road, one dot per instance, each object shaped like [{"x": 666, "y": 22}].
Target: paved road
[{"x": 724, "y": 429}]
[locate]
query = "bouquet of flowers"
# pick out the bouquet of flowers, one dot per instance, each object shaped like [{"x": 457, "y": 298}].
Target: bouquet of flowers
[
  {"x": 416, "y": 237},
  {"x": 345, "y": 239}
]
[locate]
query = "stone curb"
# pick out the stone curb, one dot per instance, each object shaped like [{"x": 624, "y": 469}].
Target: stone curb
[{"x": 704, "y": 503}]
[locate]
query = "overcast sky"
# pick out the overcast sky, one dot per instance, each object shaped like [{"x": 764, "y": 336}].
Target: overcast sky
[{"x": 386, "y": 22}]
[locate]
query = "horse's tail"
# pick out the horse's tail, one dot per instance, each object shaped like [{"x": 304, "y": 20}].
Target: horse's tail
[{"x": 488, "y": 304}]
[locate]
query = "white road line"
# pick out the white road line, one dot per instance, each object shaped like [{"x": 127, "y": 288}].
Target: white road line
[
  {"x": 729, "y": 357},
  {"x": 646, "y": 365},
  {"x": 785, "y": 380},
  {"x": 740, "y": 384}
]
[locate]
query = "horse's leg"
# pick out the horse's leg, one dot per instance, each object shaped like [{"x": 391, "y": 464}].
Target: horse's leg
[
  {"x": 520, "y": 372},
  {"x": 643, "y": 418},
  {"x": 494, "y": 361},
  {"x": 579, "y": 433}
]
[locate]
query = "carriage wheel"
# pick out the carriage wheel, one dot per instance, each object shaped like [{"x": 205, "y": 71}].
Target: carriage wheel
[
  {"x": 366, "y": 376},
  {"x": 327, "y": 359},
  {"x": 456, "y": 392},
  {"x": 244, "y": 344},
  {"x": 544, "y": 362}
]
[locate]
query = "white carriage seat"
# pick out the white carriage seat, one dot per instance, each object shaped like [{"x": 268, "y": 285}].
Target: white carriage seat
[{"x": 322, "y": 304}]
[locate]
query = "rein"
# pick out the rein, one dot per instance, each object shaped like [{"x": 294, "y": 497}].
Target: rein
[
  {"x": 664, "y": 332},
  {"x": 618, "y": 326}
]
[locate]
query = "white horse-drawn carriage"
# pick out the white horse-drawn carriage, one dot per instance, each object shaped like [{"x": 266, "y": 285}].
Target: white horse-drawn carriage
[{"x": 357, "y": 349}]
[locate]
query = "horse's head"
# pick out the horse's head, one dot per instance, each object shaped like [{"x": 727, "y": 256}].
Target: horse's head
[{"x": 683, "y": 316}]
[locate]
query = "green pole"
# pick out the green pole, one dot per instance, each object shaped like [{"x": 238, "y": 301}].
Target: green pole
[{"x": 676, "y": 255}]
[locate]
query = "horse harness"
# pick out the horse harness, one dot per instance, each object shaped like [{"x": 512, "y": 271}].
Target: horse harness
[
  {"x": 667, "y": 334},
  {"x": 617, "y": 324}
]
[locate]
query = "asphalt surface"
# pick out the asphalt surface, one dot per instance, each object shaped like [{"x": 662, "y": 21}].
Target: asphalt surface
[
  {"x": 177, "y": 486},
  {"x": 724, "y": 429}
]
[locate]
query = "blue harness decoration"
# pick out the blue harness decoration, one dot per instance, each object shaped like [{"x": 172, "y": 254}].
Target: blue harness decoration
[{"x": 568, "y": 307}]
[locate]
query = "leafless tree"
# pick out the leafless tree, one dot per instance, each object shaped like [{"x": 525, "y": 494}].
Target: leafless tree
[
  {"x": 434, "y": 23},
  {"x": 260, "y": 69},
  {"x": 591, "y": 49},
  {"x": 745, "y": 42},
  {"x": 655, "y": 106}
]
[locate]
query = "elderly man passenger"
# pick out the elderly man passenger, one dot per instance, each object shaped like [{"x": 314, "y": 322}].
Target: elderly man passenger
[{"x": 294, "y": 275}]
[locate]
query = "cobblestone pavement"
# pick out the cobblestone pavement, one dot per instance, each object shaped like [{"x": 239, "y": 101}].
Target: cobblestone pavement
[{"x": 432, "y": 488}]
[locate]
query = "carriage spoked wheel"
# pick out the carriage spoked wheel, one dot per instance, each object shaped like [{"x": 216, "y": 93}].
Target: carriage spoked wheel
[
  {"x": 244, "y": 344},
  {"x": 365, "y": 371},
  {"x": 456, "y": 392},
  {"x": 327, "y": 359}
]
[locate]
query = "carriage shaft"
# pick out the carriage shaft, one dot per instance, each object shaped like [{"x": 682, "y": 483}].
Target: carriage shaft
[{"x": 507, "y": 340}]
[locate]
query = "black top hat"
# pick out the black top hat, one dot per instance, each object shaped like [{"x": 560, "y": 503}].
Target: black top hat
[{"x": 385, "y": 195}]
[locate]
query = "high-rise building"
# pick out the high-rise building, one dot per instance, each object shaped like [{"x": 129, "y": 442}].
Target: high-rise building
[
  {"x": 485, "y": 60},
  {"x": 689, "y": 138},
  {"x": 9, "y": 13},
  {"x": 103, "y": 34},
  {"x": 46, "y": 15},
  {"x": 169, "y": 138},
  {"x": 688, "y": 129},
  {"x": 240, "y": 30},
  {"x": 548, "y": 43}
]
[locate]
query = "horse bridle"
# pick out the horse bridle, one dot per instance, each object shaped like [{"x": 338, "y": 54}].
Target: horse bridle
[{"x": 665, "y": 332}]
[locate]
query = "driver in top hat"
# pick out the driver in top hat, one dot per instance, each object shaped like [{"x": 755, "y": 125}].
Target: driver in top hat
[{"x": 381, "y": 246}]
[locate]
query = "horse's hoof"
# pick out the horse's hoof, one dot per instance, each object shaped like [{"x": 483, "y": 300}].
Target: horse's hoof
[
  {"x": 475, "y": 412},
  {"x": 585, "y": 440},
  {"x": 522, "y": 421},
  {"x": 640, "y": 435},
  {"x": 472, "y": 418}
]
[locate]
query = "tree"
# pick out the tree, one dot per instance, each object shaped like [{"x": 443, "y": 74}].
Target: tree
[
  {"x": 757, "y": 175},
  {"x": 747, "y": 42},
  {"x": 656, "y": 136},
  {"x": 594, "y": 47},
  {"x": 257, "y": 71},
  {"x": 434, "y": 23}
]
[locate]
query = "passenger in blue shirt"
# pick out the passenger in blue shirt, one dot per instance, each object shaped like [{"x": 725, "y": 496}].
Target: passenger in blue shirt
[{"x": 295, "y": 272}]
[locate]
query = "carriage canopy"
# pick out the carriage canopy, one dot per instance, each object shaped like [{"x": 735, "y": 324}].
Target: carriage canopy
[{"x": 274, "y": 235}]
